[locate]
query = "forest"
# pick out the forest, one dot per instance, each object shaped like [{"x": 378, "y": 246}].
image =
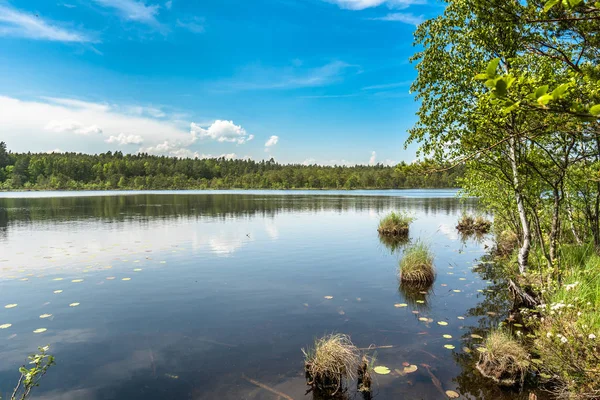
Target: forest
[{"x": 76, "y": 171}]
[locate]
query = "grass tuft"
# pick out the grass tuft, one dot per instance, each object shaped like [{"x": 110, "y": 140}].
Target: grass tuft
[
  {"x": 504, "y": 360},
  {"x": 469, "y": 224},
  {"x": 332, "y": 359},
  {"x": 395, "y": 224},
  {"x": 416, "y": 265}
]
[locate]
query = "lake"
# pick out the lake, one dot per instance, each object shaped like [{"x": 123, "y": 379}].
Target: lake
[{"x": 202, "y": 295}]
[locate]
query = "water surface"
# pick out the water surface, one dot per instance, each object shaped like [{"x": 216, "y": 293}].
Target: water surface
[{"x": 193, "y": 295}]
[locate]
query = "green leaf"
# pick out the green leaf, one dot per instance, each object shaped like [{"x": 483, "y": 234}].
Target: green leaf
[
  {"x": 550, "y": 4},
  {"x": 23, "y": 370},
  {"x": 595, "y": 110},
  {"x": 542, "y": 90},
  {"x": 560, "y": 91},
  {"x": 501, "y": 87},
  {"x": 492, "y": 67},
  {"x": 545, "y": 99},
  {"x": 481, "y": 77}
]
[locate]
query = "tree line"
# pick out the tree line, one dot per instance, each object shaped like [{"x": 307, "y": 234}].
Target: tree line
[{"x": 77, "y": 171}]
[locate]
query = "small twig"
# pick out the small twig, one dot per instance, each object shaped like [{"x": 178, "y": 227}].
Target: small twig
[{"x": 270, "y": 389}]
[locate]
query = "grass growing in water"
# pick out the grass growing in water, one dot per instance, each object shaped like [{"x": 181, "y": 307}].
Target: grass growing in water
[
  {"x": 504, "y": 359},
  {"x": 332, "y": 360},
  {"x": 395, "y": 223},
  {"x": 416, "y": 265},
  {"x": 469, "y": 224}
]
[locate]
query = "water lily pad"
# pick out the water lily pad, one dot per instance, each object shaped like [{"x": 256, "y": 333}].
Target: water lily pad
[
  {"x": 45, "y": 315},
  {"x": 381, "y": 370},
  {"x": 462, "y": 279},
  {"x": 57, "y": 279},
  {"x": 77, "y": 280},
  {"x": 110, "y": 278},
  {"x": 460, "y": 317},
  {"x": 456, "y": 290},
  {"x": 421, "y": 301},
  {"x": 126, "y": 279},
  {"x": 447, "y": 336},
  {"x": 400, "y": 305},
  {"x": 5, "y": 326},
  {"x": 423, "y": 319},
  {"x": 449, "y": 346},
  {"x": 73, "y": 304},
  {"x": 410, "y": 369},
  {"x": 40, "y": 330},
  {"x": 442, "y": 323},
  {"x": 476, "y": 336},
  {"x": 58, "y": 291},
  {"x": 10, "y": 306},
  {"x": 137, "y": 270},
  {"x": 328, "y": 297},
  {"x": 452, "y": 394}
]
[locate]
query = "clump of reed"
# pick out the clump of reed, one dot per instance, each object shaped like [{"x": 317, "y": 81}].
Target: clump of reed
[
  {"x": 416, "y": 265},
  {"x": 332, "y": 360},
  {"x": 395, "y": 224},
  {"x": 503, "y": 359},
  {"x": 469, "y": 224}
]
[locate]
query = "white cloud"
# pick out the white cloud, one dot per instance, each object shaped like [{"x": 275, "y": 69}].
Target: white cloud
[
  {"x": 256, "y": 77},
  {"x": 133, "y": 10},
  {"x": 20, "y": 24},
  {"x": 194, "y": 25},
  {"x": 42, "y": 124},
  {"x": 54, "y": 151},
  {"x": 273, "y": 140},
  {"x": 123, "y": 139},
  {"x": 309, "y": 161},
  {"x": 363, "y": 4},
  {"x": 168, "y": 5},
  {"x": 76, "y": 127},
  {"x": 221, "y": 131},
  {"x": 406, "y": 18},
  {"x": 373, "y": 158}
]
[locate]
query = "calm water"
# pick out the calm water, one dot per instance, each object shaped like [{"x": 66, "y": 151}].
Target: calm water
[{"x": 226, "y": 287}]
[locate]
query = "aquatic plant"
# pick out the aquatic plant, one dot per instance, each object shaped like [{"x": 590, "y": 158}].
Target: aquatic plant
[
  {"x": 364, "y": 380},
  {"x": 395, "y": 224},
  {"x": 30, "y": 377},
  {"x": 332, "y": 360},
  {"x": 503, "y": 359},
  {"x": 469, "y": 224},
  {"x": 416, "y": 265}
]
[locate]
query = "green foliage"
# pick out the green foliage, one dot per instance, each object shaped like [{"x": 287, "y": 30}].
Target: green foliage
[
  {"x": 71, "y": 171},
  {"x": 30, "y": 377}
]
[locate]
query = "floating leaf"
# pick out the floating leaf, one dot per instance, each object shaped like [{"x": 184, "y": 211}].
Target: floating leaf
[
  {"x": 45, "y": 315},
  {"x": 449, "y": 346},
  {"x": 110, "y": 278},
  {"x": 456, "y": 290},
  {"x": 10, "y": 306},
  {"x": 466, "y": 349},
  {"x": 475, "y": 336},
  {"x": 58, "y": 291},
  {"x": 400, "y": 305},
  {"x": 447, "y": 336},
  {"x": 381, "y": 370},
  {"x": 460, "y": 317},
  {"x": 452, "y": 394},
  {"x": 57, "y": 279},
  {"x": 442, "y": 323},
  {"x": 423, "y": 319},
  {"x": 172, "y": 376},
  {"x": 421, "y": 301},
  {"x": 328, "y": 297},
  {"x": 40, "y": 330},
  {"x": 4, "y": 326},
  {"x": 77, "y": 280},
  {"x": 137, "y": 270},
  {"x": 462, "y": 279},
  {"x": 73, "y": 304},
  {"x": 410, "y": 369},
  {"x": 126, "y": 279}
]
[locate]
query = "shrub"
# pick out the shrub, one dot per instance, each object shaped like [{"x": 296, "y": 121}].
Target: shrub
[
  {"x": 395, "y": 223},
  {"x": 469, "y": 224},
  {"x": 416, "y": 264}
]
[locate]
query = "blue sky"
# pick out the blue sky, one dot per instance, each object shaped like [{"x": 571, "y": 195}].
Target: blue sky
[{"x": 323, "y": 81}]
